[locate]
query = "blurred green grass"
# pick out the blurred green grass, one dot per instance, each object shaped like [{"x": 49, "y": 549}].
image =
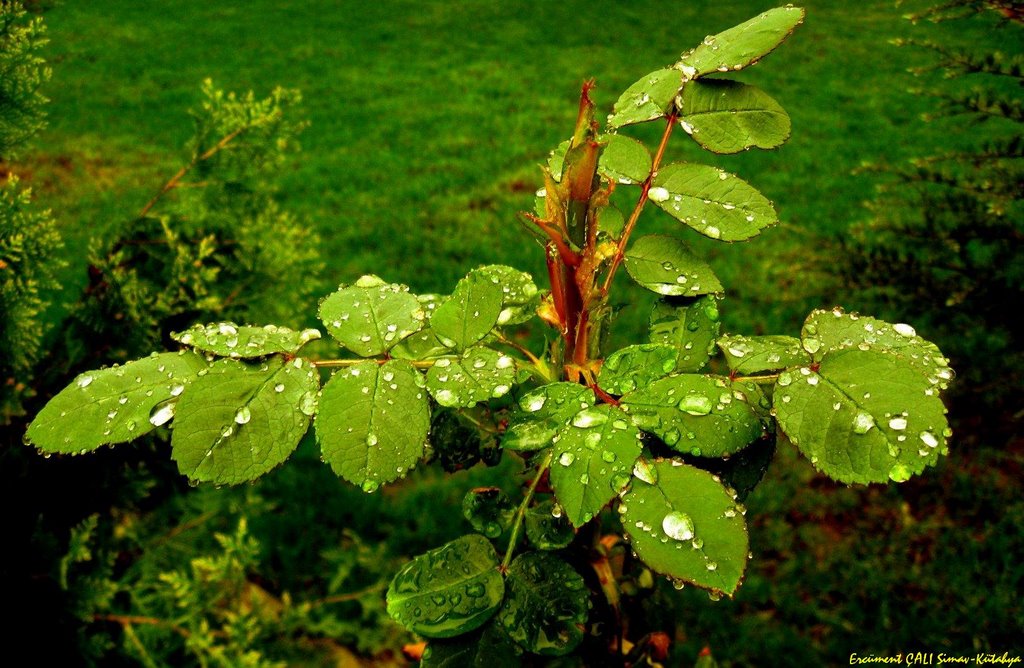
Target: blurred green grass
[{"x": 428, "y": 121}]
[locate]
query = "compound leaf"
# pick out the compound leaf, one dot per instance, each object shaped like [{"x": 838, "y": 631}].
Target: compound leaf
[
  {"x": 691, "y": 326},
  {"x": 635, "y": 366},
  {"x": 707, "y": 416},
  {"x": 241, "y": 419},
  {"x": 728, "y": 116},
  {"x": 547, "y": 605},
  {"x": 470, "y": 313},
  {"x": 373, "y": 422},
  {"x": 114, "y": 405},
  {"x": 593, "y": 457},
  {"x": 370, "y": 317},
  {"x": 862, "y": 416},
  {"x": 244, "y": 341},
  {"x": 448, "y": 591},
  {"x": 479, "y": 374},
  {"x": 753, "y": 354},
  {"x": 742, "y": 45},
  {"x": 687, "y": 526},
  {"x": 665, "y": 265},
  {"x": 716, "y": 204},
  {"x": 542, "y": 412},
  {"x": 648, "y": 99}
]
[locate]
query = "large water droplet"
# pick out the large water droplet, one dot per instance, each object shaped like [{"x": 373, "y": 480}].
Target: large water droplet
[
  {"x": 898, "y": 423},
  {"x": 84, "y": 381},
  {"x": 658, "y": 194},
  {"x": 589, "y": 418},
  {"x": 677, "y": 525},
  {"x": 162, "y": 414},
  {"x": 929, "y": 439},
  {"x": 243, "y": 415},
  {"x": 862, "y": 423},
  {"x": 695, "y": 404}
]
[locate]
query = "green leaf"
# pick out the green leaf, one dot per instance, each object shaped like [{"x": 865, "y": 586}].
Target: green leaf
[
  {"x": 424, "y": 344},
  {"x": 862, "y": 416},
  {"x": 742, "y": 45},
  {"x": 479, "y": 374},
  {"x": 488, "y": 510},
  {"x": 687, "y": 526},
  {"x": 373, "y": 422},
  {"x": 754, "y": 354},
  {"x": 624, "y": 160},
  {"x": 543, "y": 412},
  {"x": 610, "y": 222},
  {"x": 244, "y": 342},
  {"x": 649, "y": 98},
  {"x": 241, "y": 419},
  {"x": 548, "y": 528},
  {"x": 691, "y": 326},
  {"x": 448, "y": 591},
  {"x": 828, "y": 331},
  {"x": 470, "y": 313},
  {"x": 487, "y": 648},
  {"x": 114, "y": 405},
  {"x": 729, "y": 116},
  {"x": 716, "y": 204},
  {"x": 634, "y": 366},
  {"x": 593, "y": 458},
  {"x": 520, "y": 296},
  {"x": 707, "y": 416},
  {"x": 666, "y": 266},
  {"x": 547, "y": 604},
  {"x": 370, "y": 317}
]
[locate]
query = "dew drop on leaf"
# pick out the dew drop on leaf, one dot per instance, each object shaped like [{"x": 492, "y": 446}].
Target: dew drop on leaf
[{"x": 678, "y": 526}]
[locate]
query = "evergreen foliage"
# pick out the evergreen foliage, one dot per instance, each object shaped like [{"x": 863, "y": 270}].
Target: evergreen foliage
[
  {"x": 30, "y": 244},
  {"x": 210, "y": 238}
]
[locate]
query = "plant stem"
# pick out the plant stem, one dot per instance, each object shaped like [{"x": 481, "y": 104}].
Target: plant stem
[
  {"x": 760, "y": 380},
  {"x": 174, "y": 182},
  {"x": 627, "y": 230},
  {"x": 521, "y": 511}
]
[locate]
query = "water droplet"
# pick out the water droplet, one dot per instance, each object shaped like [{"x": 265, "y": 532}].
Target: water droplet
[
  {"x": 898, "y": 423},
  {"x": 928, "y": 439},
  {"x": 162, "y": 414},
  {"x": 279, "y": 387},
  {"x": 862, "y": 423},
  {"x": 308, "y": 403},
  {"x": 812, "y": 345},
  {"x": 695, "y": 404},
  {"x": 904, "y": 329},
  {"x": 176, "y": 390},
  {"x": 589, "y": 418},
  {"x": 566, "y": 458},
  {"x": 712, "y": 566},
  {"x": 785, "y": 378},
  {"x": 371, "y": 439},
  {"x": 658, "y": 194},
  {"x": 677, "y": 526},
  {"x": 899, "y": 473},
  {"x": 243, "y": 415},
  {"x": 84, "y": 381},
  {"x": 536, "y": 404}
]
